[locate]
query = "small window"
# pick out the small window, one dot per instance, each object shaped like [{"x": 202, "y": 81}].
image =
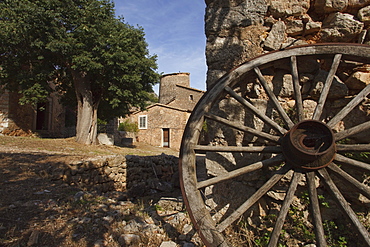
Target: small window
[
  {"x": 191, "y": 97},
  {"x": 143, "y": 122}
]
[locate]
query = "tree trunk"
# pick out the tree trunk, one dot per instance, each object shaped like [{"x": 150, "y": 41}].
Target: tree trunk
[{"x": 87, "y": 110}]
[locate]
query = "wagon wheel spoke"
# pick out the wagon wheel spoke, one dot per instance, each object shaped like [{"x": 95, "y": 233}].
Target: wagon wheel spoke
[
  {"x": 238, "y": 172},
  {"x": 351, "y": 162},
  {"x": 344, "y": 205},
  {"x": 315, "y": 209},
  {"x": 273, "y": 98},
  {"x": 297, "y": 89},
  {"x": 243, "y": 128},
  {"x": 353, "y": 148},
  {"x": 362, "y": 188},
  {"x": 325, "y": 90},
  {"x": 352, "y": 131},
  {"x": 349, "y": 107},
  {"x": 284, "y": 209},
  {"x": 253, "y": 199},
  {"x": 252, "y": 108},
  {"x": 253, "y": 149}
]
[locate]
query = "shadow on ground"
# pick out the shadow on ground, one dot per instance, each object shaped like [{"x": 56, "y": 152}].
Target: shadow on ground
[{"x": 38, "y": 210}]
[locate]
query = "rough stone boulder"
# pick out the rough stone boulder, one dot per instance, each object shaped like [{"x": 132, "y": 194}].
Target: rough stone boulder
[
  {"x": 329, "y": 6},
  {"x": 358, "y": 80},
  {"x": 364, "y": 14},
  {"x": 226, "y": 15},
  {"x": 337, "y": 90},
  {"x": 340, "y": 27},
  {"x": 276, "y": 36},
  {"x": 295, "y": 27},
  {"x": 280, "y": 9}
]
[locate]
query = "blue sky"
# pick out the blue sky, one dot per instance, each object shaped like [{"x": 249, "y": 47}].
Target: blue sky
[{"x": 174, "y": 30}]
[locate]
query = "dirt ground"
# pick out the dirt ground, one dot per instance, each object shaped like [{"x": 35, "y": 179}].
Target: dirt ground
[{"x": 37, "y": 211}]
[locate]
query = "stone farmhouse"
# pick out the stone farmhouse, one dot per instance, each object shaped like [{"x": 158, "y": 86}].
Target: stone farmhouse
[
  {"x": 47, "y": 119},
  {"x": 162, "y": 124}
]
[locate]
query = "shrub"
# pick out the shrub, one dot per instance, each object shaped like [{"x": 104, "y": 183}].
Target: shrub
[{"x": 128, "y": 126}]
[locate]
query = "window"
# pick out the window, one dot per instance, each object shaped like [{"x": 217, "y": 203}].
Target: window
[
  {"x": 143, "y": 122},
  {"x": 191, "y": 97}
]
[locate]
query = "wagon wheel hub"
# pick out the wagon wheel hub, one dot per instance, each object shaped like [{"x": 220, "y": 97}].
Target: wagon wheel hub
[{"x": 309, "y": 145}]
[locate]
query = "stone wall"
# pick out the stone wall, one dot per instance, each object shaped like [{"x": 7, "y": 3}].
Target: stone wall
[
  {"x": 16, "y": 120},
  {"x": 4, "y": 111},
  {"x": 21, "y": 120},
  {"x": 238, "y": 30},
  {"x": 186, "y": 98},
  {"x": 167, "y": 88},
  {"x": 136, "y": 175}
]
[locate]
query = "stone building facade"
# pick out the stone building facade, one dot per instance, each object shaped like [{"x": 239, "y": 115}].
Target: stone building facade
[
  {"x": 47, "y": 119},
  {"x": 162, "y": 124}
]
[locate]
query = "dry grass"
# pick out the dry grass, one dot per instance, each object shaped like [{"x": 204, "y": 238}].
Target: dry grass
[
  {"x": 69, "y": 146},
  {"x": 35, "y": 208}
]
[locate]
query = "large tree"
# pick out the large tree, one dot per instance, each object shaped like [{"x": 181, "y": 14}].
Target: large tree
[{"x": 80, "y": 47}]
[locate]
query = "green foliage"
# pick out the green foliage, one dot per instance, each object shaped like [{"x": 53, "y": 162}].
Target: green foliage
[
  {"x": 102, "y": 122},
  {"x": 268, "y": 221},
  {"x": 306, "y": 199},
  {"x": 342, "y": 241},
  {"x": 323, "y": 201},
  {"x": 75, "y": 41},
  {"x": 264, "y": 240},
  {"x": 128, "y": 126},
  {"x": 33, "y": 95},
  {"x": 158, "y": 207},
  {"x": 102, "y": 125},
  {"x": 298, "y": 229},
  {"x": 331, "y": 234},
  {"x": 205, "y": 126},
  {"x": 360, "y": 156},
  {"x": 153, "y": 98}
]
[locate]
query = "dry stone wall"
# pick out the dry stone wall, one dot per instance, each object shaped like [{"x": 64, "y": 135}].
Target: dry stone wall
[
  {"x": 238, "y": 30},
  {"x": 136, "y": 175}
]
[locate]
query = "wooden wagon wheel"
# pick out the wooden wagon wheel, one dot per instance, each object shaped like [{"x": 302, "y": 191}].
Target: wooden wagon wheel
[{"x": 285, "y": 134}]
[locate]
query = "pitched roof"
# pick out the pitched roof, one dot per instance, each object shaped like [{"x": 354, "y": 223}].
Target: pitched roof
[
  {"x": 162, "y": 105},
  {"x": 193, "y": 89}
]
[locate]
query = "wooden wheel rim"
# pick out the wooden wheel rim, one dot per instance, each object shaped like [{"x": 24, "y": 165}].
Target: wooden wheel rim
[{"x": 211, "y": 233}]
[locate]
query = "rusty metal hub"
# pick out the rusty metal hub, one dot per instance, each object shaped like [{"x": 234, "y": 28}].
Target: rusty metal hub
[{"x": 309, "y": 145}]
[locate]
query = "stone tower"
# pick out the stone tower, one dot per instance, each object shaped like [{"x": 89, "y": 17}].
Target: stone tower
[{"x": 167, "y": 92}]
